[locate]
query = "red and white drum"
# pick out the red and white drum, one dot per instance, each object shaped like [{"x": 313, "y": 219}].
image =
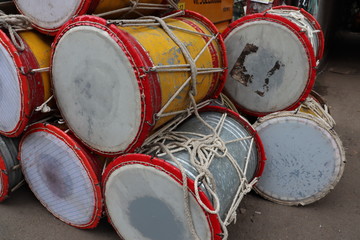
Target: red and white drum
[
  {"x": 48, "y": 16},
  {"x": 271, "y": 63},
  {"x": 10, "y": 172},
  {"x": 62, "y": 175},
  {"x": 145, "y": 194},
  {"x": 114, "y": 84},
  {"x": 22, "y": 87}
]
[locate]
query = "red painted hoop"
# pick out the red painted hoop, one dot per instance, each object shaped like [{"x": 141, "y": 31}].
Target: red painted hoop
[
  {"x": 88, "y": 162},
  {"x": 31, "y": 85},
  {"x": 305, "y": 43},
  {"x": 4, "y": 180},
  {"x": 148, "y": 82}
]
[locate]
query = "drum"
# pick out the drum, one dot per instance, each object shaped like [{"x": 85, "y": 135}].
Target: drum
[
  {"x": 123, "y": 81},
  {"x": 49, "y": 15},
  {"x": 63, "y": 176},
  {"x": 305, "y": 158},
  {"x": 306, "y": 22},
  {"x": 23, "y": 85},
  {"x": 10, "y": 173},
  {"x": 271, "y": 63},
  {"x": 153, "y": 196}
]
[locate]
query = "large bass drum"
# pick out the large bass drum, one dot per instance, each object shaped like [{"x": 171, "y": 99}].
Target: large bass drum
[
  {"x": 115, "y": 84},
  {"x": 271, "y": 62}
]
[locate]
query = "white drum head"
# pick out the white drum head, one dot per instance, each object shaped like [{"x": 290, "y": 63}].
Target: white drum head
[
  {"x": 49, "y": 14},
  {"x": 269, "y": 68},
  {"x": 146, "y": 203},
  {"x": 96, "y": 89},
  {"x": 59, "y": 179},
  {"x": 10, "y": 92},
  {"x": 304, "y": 159}
]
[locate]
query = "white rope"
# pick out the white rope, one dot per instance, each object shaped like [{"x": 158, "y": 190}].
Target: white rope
[
  {"x": 44, "y": 108},
  {"x": 322, "y": 113},
  {"x": 202, "y": 150},
  {"x": 14, "y": 23}
]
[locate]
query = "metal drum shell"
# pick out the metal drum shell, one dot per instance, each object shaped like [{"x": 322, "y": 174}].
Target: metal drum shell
[
  {"x": 34, "y": 87},
  {"x": 303, "y": 39},
  {"x": 89, "y": 162},
  {"x": 174, "y": 172},
  {"x": 148, "y": 81},
  {"x": 8, "y": 159}
]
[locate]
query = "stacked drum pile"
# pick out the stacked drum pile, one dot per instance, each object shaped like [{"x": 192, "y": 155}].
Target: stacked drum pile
[{"x": 117, "y": 113}]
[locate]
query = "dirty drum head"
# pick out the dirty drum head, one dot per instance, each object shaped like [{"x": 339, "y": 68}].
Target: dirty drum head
[
  {"x": 271, "y": 64},
  {"x": 61, "y": 175},
  {"x": 305, "y": 158}
]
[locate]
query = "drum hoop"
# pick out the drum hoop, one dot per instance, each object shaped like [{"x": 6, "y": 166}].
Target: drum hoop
[
  {"x": 261, "y": 156},
  {"x": 331, "y": 185},
  {"x": 82, "y": 9},
  {"x": 137, "y": 56},
  {"x": 4, "y": 180},
  {"x": 88, "y": 166},
  {"x": 24, "y": 61},
  {"x": 170, "y": 170},
  {"x": 301, "y": 37},
  {"x": 312, "y": 20}
]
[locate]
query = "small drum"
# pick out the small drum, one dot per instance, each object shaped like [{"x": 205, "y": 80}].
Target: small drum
[
  {"x": 10, "y": 172},
  {"x": 62, "y": 175},
  {"x": 23, "y": 87},
  {"x": 305, "y": 21},
  {"x": 144, "y": 194},
  {"x": 49, "y": 15},
  {"x": 121, "y": 82},
  {"x": 305, "y": 158},
  {"x": 271, "y": 63}
]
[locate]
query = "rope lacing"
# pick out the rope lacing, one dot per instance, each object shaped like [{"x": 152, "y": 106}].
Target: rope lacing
[
  {"x": 202, "y": 150},
  {"x": 15, "y": 23}
]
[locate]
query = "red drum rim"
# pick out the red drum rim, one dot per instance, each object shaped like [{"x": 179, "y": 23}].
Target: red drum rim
[
  {"x": 89, "y": 166},
  {"x": 174, "y": 173},
  {"x": 252, "y": 131},
  {"x": 84, "y": 7},
  {"x": 313, "y": 22},
  {"x": 4, "y": 180},
  {"x": 24, "y": 62},
  {"x": 138, "y": 56},
  {"x": 303, "y": 39}
]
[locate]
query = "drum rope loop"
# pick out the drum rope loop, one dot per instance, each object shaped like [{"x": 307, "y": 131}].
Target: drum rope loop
[
  {"x": 191, "y": 62},
  {"x": 136, "y": 5},
  {"x": 322, "y": 113},
  {"x": 44, "y": 108},
  {"x": 14, "y": 23},
  {"x": 301, "y": 22},
  {"x": 202, "y": 150}
]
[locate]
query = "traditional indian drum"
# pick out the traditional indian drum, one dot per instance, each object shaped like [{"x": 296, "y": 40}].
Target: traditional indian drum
[
  {"x": 305, "y": 158},
  {"x": 190, "y": 182},
  {"x": 23, "y": 86},
  {"x": 115, "y": 82},
  {"x": 63, "y": 176},
  {"x": 10, "y": 172},
  {"x": 48, "y": 16},
  {"x": 271, "y": 61}
]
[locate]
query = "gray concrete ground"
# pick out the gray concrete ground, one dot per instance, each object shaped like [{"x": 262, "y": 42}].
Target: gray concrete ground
[{"x": 336, "y": 216}]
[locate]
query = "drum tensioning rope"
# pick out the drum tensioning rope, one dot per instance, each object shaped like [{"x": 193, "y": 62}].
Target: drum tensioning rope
[
  {"x": 202, "y": 149},
  {"x": 136, "y": 5},
  {"x": 191, "y": 62}
]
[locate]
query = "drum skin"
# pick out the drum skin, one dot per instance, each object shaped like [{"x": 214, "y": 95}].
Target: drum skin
[
  {"x": 84, "y": 161},
  {"x": 34, "y": 87},
  {"x": 155, "y": 88}
]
